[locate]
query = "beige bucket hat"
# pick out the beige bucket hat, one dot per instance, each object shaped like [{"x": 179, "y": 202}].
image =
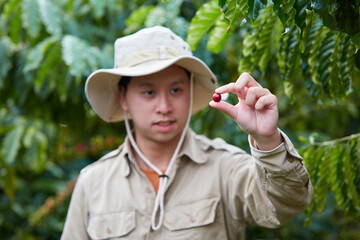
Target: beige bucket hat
[{"x": 145, "y": 52}]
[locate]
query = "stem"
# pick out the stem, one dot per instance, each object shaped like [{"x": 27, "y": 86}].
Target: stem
[{"x": 327, "y": 143}]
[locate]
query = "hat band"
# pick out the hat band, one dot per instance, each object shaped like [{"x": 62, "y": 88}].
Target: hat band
[{"x": 154, "y": 54}]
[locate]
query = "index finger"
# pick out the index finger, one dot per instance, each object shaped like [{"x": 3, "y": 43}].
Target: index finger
[{"x": 245, "y": 80}]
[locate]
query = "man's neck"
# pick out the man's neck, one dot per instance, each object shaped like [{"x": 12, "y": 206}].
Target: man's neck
[{"x": 157, "y": 153}]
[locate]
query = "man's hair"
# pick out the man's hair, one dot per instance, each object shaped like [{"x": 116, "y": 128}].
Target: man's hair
[{"x": 124, "y": 82}]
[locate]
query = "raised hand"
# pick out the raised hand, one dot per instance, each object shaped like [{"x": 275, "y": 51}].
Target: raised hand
[{"x": 256, "y": 112}]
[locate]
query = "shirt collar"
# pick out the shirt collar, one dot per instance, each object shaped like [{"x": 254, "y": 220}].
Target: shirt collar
[
  {"x": 125, "y": 156},
  {"x": 193, "y": 147}
]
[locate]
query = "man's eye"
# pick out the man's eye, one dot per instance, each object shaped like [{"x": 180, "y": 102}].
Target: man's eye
[
  {"x": 175, "y": 90},
  {"x": 149, "y": 93}
]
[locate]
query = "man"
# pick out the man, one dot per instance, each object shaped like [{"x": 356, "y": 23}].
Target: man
[{"x": 165, "y": 181}]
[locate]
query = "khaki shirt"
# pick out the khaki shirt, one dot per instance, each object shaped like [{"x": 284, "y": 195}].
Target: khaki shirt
[{"x": 214, "y": 191}]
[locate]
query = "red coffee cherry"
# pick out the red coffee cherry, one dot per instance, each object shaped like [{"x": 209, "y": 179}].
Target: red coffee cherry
[{"x": 217, "y": 97}]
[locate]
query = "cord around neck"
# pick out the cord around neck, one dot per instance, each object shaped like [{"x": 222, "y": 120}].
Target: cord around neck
[{"x": 159, "y": 200}]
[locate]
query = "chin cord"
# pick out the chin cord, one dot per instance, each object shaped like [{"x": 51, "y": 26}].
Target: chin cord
[{"x": 159, "y": 201}]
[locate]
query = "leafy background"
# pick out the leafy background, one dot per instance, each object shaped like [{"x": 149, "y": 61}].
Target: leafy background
[{"x": 306, "y": 52}]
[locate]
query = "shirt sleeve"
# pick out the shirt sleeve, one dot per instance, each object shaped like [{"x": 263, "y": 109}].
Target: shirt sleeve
[
  {"x": 77, "y": 216},
  {"x": 269, "y": 187},
  {"x": 284, "y": 181}
]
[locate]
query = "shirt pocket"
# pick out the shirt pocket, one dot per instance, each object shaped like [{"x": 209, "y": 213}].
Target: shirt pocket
[
  {"x": 192, "y": 215},
  {"x": 111, "y": 225}
]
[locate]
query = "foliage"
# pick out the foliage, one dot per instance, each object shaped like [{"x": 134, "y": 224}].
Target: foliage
[
  {"x": 335, "y": 164},
  {"x": 304, "y": 51},
  {"x": 311, "y": 44},
  {"x": 308, "y": 40}
]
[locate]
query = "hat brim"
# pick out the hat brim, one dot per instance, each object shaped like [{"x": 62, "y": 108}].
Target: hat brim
[{"x": 101, "y": 87}]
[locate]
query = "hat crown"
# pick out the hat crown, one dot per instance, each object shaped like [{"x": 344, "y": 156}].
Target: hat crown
[{"x": 149, "y": 44}]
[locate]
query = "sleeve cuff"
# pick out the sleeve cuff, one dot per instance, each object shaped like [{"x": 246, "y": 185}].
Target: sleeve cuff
[{"x": 282, "y": 158}]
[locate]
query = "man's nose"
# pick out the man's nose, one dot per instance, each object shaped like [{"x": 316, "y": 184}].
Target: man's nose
[{"x": 164, "y": 104}]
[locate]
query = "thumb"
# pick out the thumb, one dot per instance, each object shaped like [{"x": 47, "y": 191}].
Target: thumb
[{"x": 225, "y": 107}]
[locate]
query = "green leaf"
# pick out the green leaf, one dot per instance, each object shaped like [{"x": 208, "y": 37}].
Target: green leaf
[
  {"x": 310, "y": 47},
  {"x": 105, "y": 56},
  {"x": 36, "y": 55},
  {"x": 35, "y": 155},
  {"x": 29, "y": 136},
  {"x": 47, "y": 66},
  {"x": 9, "y": 8},
  {"x": 181, "y": 27},
  {"x": 12, "y": 143},
  {"x": 78, "y": 56},
  {"x": 231, "y": 12},
  {"x": 322, "y": 184},
  {"x": 137, "y": 18},
  {"x": 304, "y": 35},
  {"x": 335, "y": 67},
  {"x": 243, "y": 7},
  {"x": 349, "y": 177},
  {"x": 31, "y": 18},
  {"x": 300, "y": 17},
  {"x": 255, "y": 6},
  {"x": 6, "y": 63},
  {"x": 156, "y": 16},
  {"x": 320, "y": 8},
  {"x": 204, "y": 19},
  {"x": 324, "y": 51},
  {"x": 74, "y": 54},
  {"x": 257, "y": 45},
  {"x": 288, "y": 58},
  {"x": 249, "y": 47},
  {"x": 284, "y": 9},
  {"x": 314, "y": 53},
  {"x": 308, "y": 213},
  {"x": 172, "y": 10},
  {"x": 92, "y": 59},
  {"x": 265, "y": 40},
  {"x": 356, "y": 41},
  {"x": 355, "y": 158},
  {"x": 15, "y": 27},
  {"x": 219, "y": 34},
  {"x": 289, "y": 89},
  {"x": 347, "y": 65},
  {"x": 336, "y": 177},
  {"x": 9, "y": 182},
  {"x": 98, "y": 8},
  {"x": 222, "y": 3},
  {"x": 51, "y": 16},
  {"x": 5, "y": 128},
  {"x": 279, "y": 10}
]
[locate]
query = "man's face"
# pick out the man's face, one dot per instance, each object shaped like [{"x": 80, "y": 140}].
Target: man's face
[{"x": 158, "y": 104}]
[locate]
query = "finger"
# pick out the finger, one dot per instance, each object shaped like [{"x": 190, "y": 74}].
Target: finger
[
  {"x": 245, "y": 80},
  {"x": 225, "y": 107},
  {"x": 254, "y": 93},
  {"x": 230, "y": 87},
  {"x": 266, "y": 102}
]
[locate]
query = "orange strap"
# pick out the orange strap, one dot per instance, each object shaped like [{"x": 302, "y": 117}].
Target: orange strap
[{"x": 153, "y": 177}]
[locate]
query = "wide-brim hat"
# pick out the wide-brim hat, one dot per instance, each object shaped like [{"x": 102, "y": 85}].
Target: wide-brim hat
[{"x": 147, "y": 51}]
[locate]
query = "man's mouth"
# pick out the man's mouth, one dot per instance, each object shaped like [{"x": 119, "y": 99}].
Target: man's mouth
[
  {"x": 164, "y": 123},
  {"x": 164, "y": 126}
]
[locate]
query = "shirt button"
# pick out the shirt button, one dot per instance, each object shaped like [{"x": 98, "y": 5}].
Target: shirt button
[
  {"x": 148, "y": 190},
  {"x": 192, "y": 219}
]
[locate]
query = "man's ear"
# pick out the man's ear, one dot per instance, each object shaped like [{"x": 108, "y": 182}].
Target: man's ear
[{"x": 122, "y": 98}]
